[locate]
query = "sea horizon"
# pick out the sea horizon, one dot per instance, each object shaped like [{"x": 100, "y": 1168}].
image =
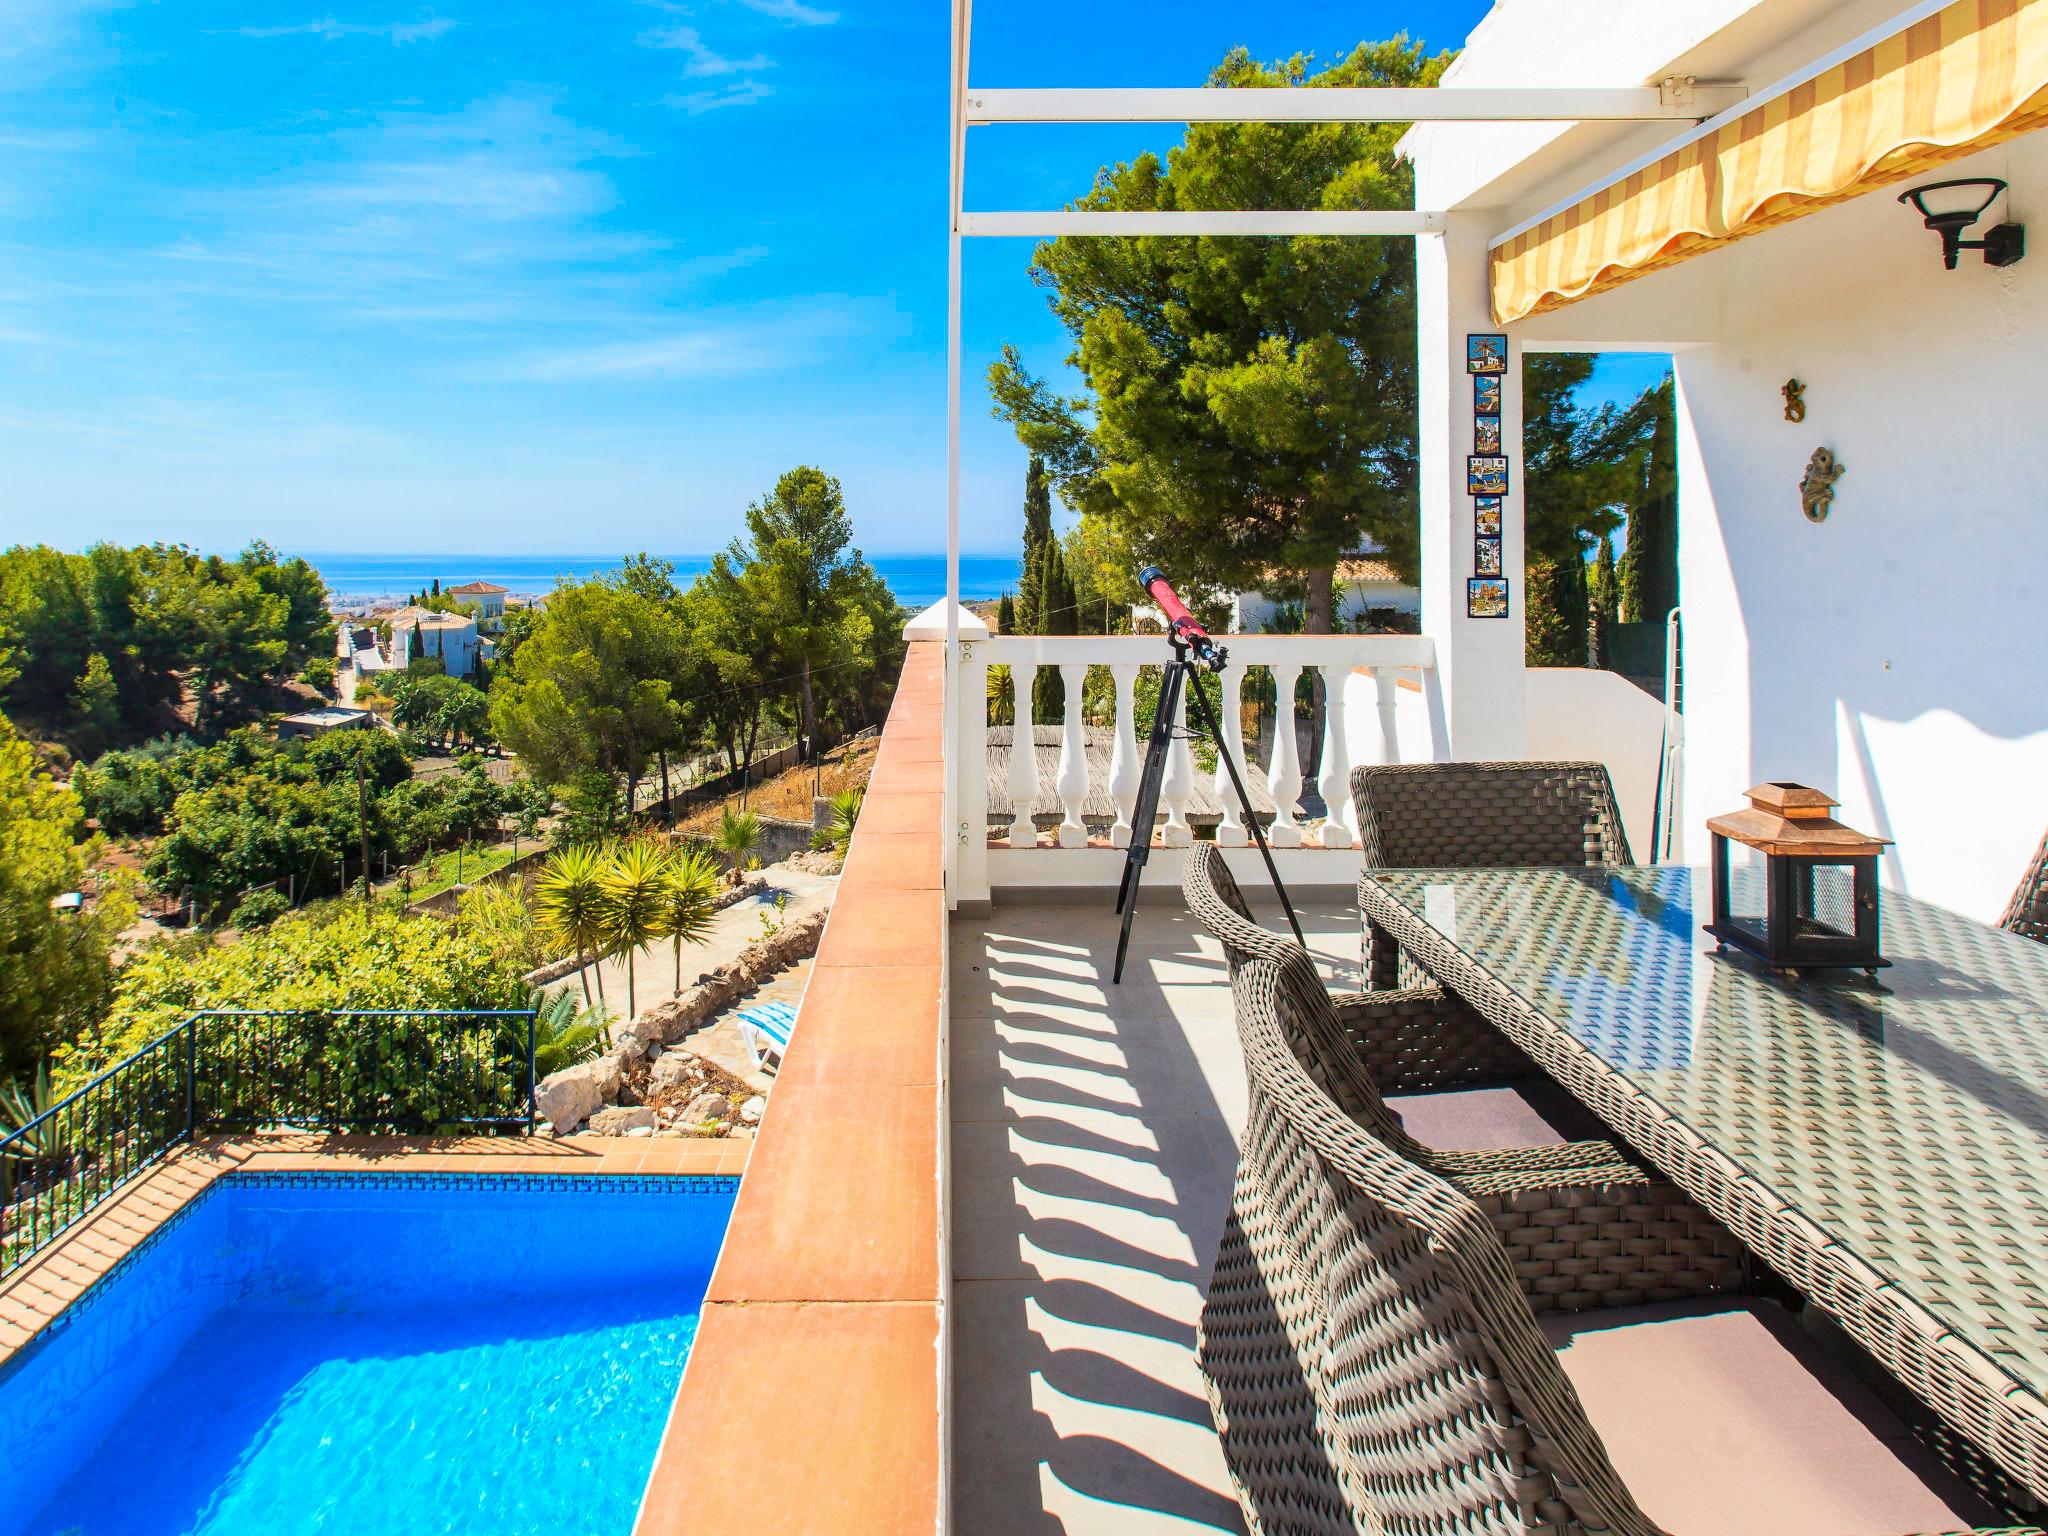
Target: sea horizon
[{"x": 917, "y": 580}]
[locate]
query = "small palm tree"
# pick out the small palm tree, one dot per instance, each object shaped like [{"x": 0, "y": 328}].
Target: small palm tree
[
  {"x": 569, "y": 906},
  {"x": 634, "y": 886},
  {"x": 688, "y": 902},
  {"x": 738, "y": 831},
  {"x": 563, "y": 1034}
]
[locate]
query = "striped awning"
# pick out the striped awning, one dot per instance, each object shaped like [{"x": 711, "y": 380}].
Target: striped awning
[{"x": 1970, "y": 74}]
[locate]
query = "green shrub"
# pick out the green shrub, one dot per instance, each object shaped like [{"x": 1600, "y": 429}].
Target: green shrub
[
  {"x": 344, "y": 956},
  {"x": 259, "y": 909}
]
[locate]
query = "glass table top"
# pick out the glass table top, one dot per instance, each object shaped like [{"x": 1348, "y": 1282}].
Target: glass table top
[{"x": 1907, "y": 1117}]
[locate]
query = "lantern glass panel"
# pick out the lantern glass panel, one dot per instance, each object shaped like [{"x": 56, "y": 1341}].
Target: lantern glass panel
[
  {"x": 1748, "y": 893},
  {"x": 1823, "y": 900}
]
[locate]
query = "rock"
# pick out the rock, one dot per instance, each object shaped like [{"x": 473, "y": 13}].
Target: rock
[
  {"x": 706, "y": 1107},
  {"x": 623, "y": 1121},
  {"x": 639, "y": 1130},
  {"x": 608, "y": 1071},
  {"x": 672, "y": 1070},
  {"x": 567, "y": 1098},
  {"x": 753, "y": 1109}
]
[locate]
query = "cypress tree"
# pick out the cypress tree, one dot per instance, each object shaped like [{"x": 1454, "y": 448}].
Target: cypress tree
[
  {"x": 1006, "y": 615},
  {"x": 1037, "y": 536}
]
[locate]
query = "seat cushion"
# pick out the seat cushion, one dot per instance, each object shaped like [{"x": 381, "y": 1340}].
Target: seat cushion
[
  {"x": 1493, "y": 1119},
  {"x": 1726, "y": 1418}
]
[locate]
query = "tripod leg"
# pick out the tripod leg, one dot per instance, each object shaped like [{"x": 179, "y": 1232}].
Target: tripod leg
[
  {"x": 1147, "y": 807},
  {"x": 1215, "y": 730}
]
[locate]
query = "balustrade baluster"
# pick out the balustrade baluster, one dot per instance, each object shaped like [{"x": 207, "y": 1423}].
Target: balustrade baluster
[
  {"x": 1230, "y": 832},
  {"x": 1124, "y": 763},
  {"x": 1178, "y": 783},
  {"x": 1023, "y": 782},
  {"x": 1283, "y": 777},
  {"x": 1335, "y": 782},
  {"x": 1072, "y": 781}
]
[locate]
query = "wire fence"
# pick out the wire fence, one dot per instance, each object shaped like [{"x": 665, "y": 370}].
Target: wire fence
[{"x": 366, "y": 1070}]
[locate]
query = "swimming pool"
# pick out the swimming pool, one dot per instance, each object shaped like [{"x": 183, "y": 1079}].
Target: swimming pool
[{"x": 406, "y": 1354}]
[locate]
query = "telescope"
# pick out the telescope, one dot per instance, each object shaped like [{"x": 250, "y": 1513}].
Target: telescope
[
  {"x": 1182, "y": 625},
  {"x": 1192, "y": 648}
]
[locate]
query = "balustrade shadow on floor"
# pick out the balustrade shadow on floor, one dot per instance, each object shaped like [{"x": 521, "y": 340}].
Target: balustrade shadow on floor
[{"x": 1093, "y": 1148}]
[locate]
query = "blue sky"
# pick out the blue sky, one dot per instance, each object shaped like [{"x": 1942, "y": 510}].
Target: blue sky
[{"x": 534, "y": 277}]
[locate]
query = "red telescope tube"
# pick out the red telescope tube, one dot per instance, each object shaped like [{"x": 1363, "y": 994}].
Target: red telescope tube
[{"x": 1179, "y": 622}]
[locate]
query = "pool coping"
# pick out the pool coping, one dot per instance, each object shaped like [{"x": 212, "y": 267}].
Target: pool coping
[{"x": 34, "y": 1296}]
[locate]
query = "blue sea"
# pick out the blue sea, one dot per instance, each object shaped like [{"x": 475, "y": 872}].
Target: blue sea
[
  {"x": 917, "y": 580},
  {"x": 410, "y": 1356}
]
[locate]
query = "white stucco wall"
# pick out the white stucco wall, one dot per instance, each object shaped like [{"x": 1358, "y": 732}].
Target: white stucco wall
[
  {"x": 1577, "y": 714},
  {"x": 1890, "y": 655}
]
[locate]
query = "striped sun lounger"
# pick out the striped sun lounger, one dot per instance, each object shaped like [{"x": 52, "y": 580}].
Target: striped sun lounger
[{"x": 766, "y": 1029}]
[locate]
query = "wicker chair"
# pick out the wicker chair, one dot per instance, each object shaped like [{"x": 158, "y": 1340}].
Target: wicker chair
[
  {"x": 2027, "y": 913},
  {"x": 1480, "y": 815},
  {"x": 1374, "y": 1365},
  {"x": 1556, "y": 1207}
]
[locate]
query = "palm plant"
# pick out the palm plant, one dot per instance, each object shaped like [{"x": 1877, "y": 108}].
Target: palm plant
[
  {"x": 837, "y": 834},
  {"x": 634, "y": 888},
  {"x": 569, "y": 906},
  {"x": 688, "y": 900},
  {"x": 738, "y": 831},
  {"x": 563, "y": 1034}
]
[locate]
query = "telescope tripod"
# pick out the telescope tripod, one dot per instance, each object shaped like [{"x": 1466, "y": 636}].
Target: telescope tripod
[{"x": 1177, "y": 682}]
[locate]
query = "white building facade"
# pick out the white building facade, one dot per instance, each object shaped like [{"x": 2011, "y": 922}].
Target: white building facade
[{"x": 1890, "y": 652}]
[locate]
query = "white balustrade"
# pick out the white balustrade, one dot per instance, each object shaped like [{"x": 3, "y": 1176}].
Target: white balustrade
[
  {"x": 1072, "y": 781},
  {"x": 1023, "y": 756},
  {"x": 1230, "y": 832},
  {"x": 1284, "y": 657},
  {"x": 1283, "y": 778},
  {"x": 1124, "y": 763}
]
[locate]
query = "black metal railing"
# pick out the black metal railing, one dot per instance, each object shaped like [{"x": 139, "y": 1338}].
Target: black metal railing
[{"x": 361, "y": 1070}]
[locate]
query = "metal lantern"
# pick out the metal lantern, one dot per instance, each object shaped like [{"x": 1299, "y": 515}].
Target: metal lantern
[{"x": 1816, "y": 904}]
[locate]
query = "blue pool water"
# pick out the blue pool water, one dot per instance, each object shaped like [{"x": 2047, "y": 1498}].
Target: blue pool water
[{"x": 386, "y": 1354}]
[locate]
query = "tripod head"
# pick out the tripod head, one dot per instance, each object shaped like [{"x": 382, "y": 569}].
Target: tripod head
[{"x": 1183, "y": 630}]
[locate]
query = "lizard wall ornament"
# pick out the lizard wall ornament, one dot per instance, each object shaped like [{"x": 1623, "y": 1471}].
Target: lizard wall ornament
[
  {"x": 1817, "y": 485},
  {"x": 1795, "y": 400}
]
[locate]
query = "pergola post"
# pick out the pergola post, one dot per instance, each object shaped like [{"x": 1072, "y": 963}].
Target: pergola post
[{"x": 1479, "y": 661}]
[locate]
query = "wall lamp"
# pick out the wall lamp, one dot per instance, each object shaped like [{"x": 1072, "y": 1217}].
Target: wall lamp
[{"x": 1950, "y": 207}]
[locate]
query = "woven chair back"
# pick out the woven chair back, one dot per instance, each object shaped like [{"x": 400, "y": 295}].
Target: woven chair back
[
  {"x": 1479, "y": 815},
  {"x": 2027, "y": 913},
  {"x": 1315, "y": 1033},
  {"x": 1373, "y": 1363}
]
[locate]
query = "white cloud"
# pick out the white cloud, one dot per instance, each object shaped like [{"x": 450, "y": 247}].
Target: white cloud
[
  {"x": 742, "y": 93},
  {"x": 758, "y": 339},
  {"x": 795, "y": 12},
  {"x": 704, "y": 60},
  {"x": 328, "y": 29}
]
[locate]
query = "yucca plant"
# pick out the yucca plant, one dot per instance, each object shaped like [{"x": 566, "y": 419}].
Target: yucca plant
[
  {"x": 569, "y": 906},
  {"x": 47, "y": 1147},
  {"x": 837, "y": 834},
  {"x": 634, "y": 885},
  {"x": 688, "y": 902},
  {"x": 738, "y": 831}
]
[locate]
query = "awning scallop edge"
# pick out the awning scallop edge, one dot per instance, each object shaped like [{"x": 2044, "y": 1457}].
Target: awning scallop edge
[{"x": 1969, "y": 75}]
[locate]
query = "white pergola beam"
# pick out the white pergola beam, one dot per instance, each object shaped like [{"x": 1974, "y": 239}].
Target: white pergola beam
[
  {"x": 1203, "y": 222},
  {"x": 1377, "y": 104}
]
